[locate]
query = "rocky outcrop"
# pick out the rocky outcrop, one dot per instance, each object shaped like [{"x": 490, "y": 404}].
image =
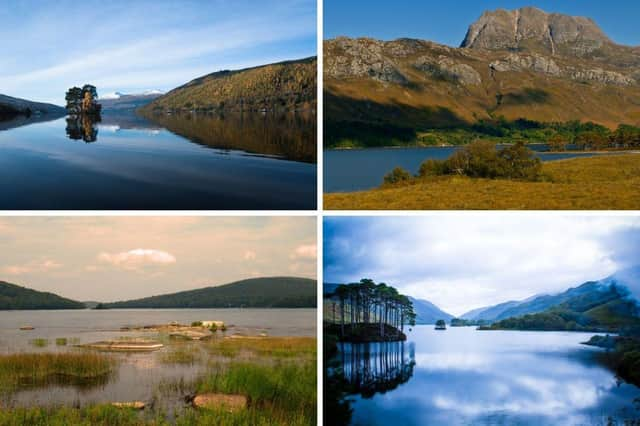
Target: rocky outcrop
[
  {"x": 536, "y": 63},
  {"x": 531, "y": 28},
  {"x": 541, "y": 64},
  {"x": 364, "y": 58},
  {"x": 448, "y": 69}
]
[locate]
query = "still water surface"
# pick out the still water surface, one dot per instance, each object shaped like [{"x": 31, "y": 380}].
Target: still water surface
[
  {"x": 187, "y": 162},
  {"x": 466, "y": 377}
]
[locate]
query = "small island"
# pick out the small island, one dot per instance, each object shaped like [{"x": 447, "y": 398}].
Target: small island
[{"x": 368, "y": 312}]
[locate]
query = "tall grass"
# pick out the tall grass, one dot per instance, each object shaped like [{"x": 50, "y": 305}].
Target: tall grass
[
  {"x": 98, "y": 415},
  {"x": 45, "y": 368},
  {"x": 187, "y": 354},
  {"x": 276, "y": 347},
  {"x": 286, "y": 391}
]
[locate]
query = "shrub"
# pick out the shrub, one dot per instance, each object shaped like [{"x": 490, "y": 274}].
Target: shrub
[{"x": 397, "y": 175}]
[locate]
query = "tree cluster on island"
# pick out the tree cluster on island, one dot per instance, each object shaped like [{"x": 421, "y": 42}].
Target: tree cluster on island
[
  {"x": 366, "y": 311},
  {"x": 83, "y": 101}
]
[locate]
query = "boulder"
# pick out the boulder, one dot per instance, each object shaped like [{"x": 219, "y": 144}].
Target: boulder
[
  {"x": 230, "y": 403},
  {"x": 137, "y": 405}
]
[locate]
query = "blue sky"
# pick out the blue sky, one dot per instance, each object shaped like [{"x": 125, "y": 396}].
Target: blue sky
[
  {"x": 446, "y": 22},
  {"x": 137, "y": 45},
  {"x": 462, "y": 262}
]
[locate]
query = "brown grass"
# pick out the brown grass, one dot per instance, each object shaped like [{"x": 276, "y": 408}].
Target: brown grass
[{"x": 596, "y": 183}]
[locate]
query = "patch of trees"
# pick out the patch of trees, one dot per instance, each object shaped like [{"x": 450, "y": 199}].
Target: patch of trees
[
  {"x": 83, "y": 101},
  {"x": 552, "y": 320},
  {"x": 370, "y": 306},
  {"x": 460, "y": 322},
  {"x": 13, "y": 297},
  {"x": 479, "y": 159}
]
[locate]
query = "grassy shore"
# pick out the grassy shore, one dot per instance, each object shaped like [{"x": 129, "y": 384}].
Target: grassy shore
[
  {"x": 277, "y": 375},
  {"x": 595, "y": 183}
]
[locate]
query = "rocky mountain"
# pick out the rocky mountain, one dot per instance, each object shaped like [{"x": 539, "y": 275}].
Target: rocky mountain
[
  {"x": 272, "y": 292},
  {"x": 122, "y": 102},
  {"x": 14, "y": 297},
  {"x": 427, "y": 312},
  {"x": 283, "y": 86},
  {"x": 11, "y": 107},
  {"x": 523, "y": 63},
  {"x": 614, "y": 287}
]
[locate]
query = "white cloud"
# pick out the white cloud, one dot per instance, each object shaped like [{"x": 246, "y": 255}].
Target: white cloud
[
  {"x": 250, "y": 255},
  {"x": 465, "y": 262},
  {"x": 137, "y": 258},
  {"x": 305, "y": 251},
  {"x": 31, "y": 267}
]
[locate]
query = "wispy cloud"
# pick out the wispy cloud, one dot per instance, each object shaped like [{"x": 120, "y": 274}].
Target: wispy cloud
[
  {"x": 159, "y": 46},
  {"x": 137, "y": 258},
  {"x": 35, "y": 266}
]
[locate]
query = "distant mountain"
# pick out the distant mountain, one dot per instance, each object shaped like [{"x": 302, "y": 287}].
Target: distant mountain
[
  {"x": 427, "y": 312},
  {"x": 272, "y": 292},
  {"x": 11, "y": 107},
  {"x": 14, "y": 297},
  {"x": 283, "y": 86},
  {"x": 540, "y": 303},
  {"x": 608, "y": 302},
  {"x": 523, "y": 63},
  {"x": 120, "y": 101},
  {"x": 329, "y": 288}
]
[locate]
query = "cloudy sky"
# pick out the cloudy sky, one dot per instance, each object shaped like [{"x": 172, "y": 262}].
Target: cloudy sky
[
  {"x": 462, "y": 262},
  {"x": 115, "y": 258},
  {"x": 133, "y": 46}
]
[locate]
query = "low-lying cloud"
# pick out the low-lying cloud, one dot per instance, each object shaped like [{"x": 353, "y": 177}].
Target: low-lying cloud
[{"x": 137, "y": 258}]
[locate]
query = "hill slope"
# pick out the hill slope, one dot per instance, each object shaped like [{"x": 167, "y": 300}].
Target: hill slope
[
  {"x": 283, "y": 86},
  {"x": 272, "y": 292},
  {"x": 427, "y": 312},
  {"x": 603, "y": 304},
  {"x": 10, "y": 107},
  {"x": 14, "y": 297},
  {"x": 517, "y": 64}
]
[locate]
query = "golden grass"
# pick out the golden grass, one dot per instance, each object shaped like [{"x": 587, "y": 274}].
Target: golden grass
[{"x": 596, "y": 183}]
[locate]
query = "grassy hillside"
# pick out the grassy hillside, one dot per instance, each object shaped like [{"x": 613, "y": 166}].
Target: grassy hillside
[
  {"x": 388, "y": 93},
  {"x": 13, "y": 297},
  {"x": 596, "y": 183},
  {"x": 273, "y": 292},
  {"x": 11, "y": 107},
  {"x": 283, "y": 86}
]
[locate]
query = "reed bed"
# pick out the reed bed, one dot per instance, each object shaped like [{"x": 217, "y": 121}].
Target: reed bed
[
  {"x": 275, "y": 347},
  {"x": 44, "y": 368}
]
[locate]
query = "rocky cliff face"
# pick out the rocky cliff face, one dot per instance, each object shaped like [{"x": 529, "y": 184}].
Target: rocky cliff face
[{"x": 529, "y": 28}]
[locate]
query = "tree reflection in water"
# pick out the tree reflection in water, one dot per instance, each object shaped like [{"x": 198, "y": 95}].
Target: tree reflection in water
[
  {"x": 83, "y": 127},
  {"x": 363, "y": 369},
  {"x": 370, "y": 368}
]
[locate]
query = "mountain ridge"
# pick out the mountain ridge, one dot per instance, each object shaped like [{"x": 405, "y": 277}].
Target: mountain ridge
[
  {"x": 265, "y": 292},
  {"x": 15, "y": 297}
]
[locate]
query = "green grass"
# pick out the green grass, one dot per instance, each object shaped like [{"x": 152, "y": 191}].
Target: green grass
[
  {"x": 61, "y": 341},
  {"x": 276, "y": 347},
  {"x": 186, "y": 354},
  {"x": 39, "y": 342},
  {"x": 284, "y": 392},
  {"x": 597, "y": 183},
  {"x": 98, "y": 415},
  {"x": 46, "y": 368}
]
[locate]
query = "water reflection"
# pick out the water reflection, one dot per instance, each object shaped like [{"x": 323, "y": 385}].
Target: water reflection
[
  {"x": 370, "y": 368},
  {"x": 468, "y": 377},
  {"x": 289, "y": 136},
  {"x": 83, "y": 127}
]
